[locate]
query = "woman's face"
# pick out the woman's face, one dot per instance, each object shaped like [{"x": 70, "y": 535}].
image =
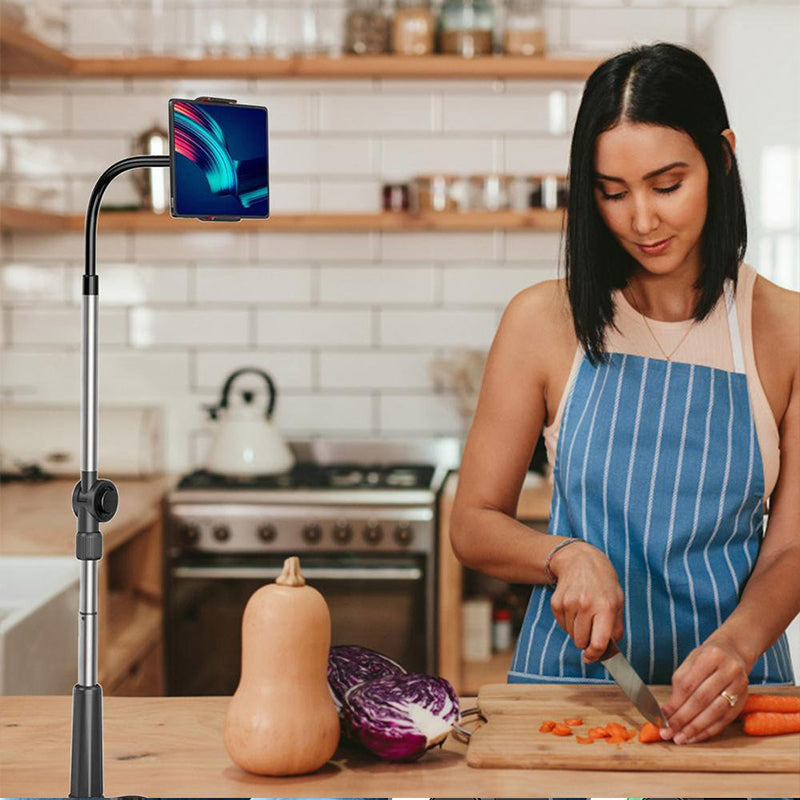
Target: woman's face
[{"x": 641, "y": 210}]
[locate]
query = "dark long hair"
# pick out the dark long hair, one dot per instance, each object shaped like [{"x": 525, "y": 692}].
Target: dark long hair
[{"x": 660, "y": 84}]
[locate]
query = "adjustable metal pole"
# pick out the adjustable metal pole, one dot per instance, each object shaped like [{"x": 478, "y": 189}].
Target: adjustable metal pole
[{"x": 93, "y": 501}]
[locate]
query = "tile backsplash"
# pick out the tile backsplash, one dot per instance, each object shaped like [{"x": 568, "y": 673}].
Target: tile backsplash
[{"x": 347, "y": 323}]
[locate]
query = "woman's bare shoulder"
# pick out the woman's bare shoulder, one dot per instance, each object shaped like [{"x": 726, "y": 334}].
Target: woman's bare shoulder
[
  {"x": 538, "y": 320},
  {"x": 544, "y": 305}
]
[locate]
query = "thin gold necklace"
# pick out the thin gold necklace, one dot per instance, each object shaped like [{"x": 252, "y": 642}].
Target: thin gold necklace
[{"x": 668, "y": 357}]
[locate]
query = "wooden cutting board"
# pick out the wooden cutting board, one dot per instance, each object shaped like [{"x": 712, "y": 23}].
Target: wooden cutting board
[{"x": 511, "y": 738}]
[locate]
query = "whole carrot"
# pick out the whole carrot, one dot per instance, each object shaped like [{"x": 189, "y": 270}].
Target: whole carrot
[
  {"x": 783, "y": 703},
  {"x": 771, "y": 723}
]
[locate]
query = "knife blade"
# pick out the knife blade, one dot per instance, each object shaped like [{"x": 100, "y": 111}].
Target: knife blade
[{"x": 628, "y": 680}]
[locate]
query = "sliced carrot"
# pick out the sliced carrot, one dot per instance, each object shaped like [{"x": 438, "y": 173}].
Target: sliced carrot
[
  {"x": 631, "y": 733},
  {"x": 616, "y": 740},
  {"x": 573, "y": 721},
  {"x": 598, "y": 733},
  {"x": 584, "y": 739},
  {"x": 770, "y": 723},
  {"x": 547, "y": 726},
  {"x": 562, "y": 730},
  {"x": 615, "y": 728},
  {"x": 649, "y": 733},
  {"x": 783, "y": 703}
]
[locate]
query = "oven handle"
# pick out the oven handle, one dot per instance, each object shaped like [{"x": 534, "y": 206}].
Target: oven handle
[{"x": 319, "y": 573}]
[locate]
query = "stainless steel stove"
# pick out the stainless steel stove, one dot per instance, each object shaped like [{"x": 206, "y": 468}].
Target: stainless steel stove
[{"x": 361, "y": 515}]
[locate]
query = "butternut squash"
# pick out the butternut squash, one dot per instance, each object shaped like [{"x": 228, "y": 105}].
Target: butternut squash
[{"x": 282, "y": 719}]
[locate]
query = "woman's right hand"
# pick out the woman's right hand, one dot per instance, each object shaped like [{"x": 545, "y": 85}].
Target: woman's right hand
[{"x": 588, "y": 600}]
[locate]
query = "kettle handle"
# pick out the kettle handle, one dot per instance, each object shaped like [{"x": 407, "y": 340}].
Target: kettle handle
[{"x": 273, "y": 392}]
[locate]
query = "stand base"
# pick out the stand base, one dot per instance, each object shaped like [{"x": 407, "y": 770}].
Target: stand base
[
  {"x": 86, "y": 779},
  {"x": 119, "y": 797}
]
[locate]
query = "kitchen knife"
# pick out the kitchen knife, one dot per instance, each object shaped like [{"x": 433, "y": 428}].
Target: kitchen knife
[{"x": 633, "y": 686}]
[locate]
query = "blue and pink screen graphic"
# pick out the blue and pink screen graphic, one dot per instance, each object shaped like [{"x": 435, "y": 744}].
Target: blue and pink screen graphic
[{"x": 221, "y": 165}]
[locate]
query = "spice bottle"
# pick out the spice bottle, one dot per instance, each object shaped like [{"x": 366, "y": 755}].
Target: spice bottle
[
  {"x": 413, "y": 28},
  {"x": 501, "y": 630},
  {"x": 366, "y": 28},
  {"x": 524, "y": 34}
]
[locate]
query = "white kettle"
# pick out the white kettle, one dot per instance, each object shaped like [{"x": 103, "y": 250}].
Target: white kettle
[{"x": 246, "y": 442}]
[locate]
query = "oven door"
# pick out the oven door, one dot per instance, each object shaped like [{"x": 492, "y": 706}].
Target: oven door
[{"x": 377, "y": 603}]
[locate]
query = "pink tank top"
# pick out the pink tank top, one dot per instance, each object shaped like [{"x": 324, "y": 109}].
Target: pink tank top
[{"x": 709, "y": 343}]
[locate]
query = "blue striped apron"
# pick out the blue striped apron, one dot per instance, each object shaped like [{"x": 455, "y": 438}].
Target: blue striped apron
[{"x": 657, "y": 465}]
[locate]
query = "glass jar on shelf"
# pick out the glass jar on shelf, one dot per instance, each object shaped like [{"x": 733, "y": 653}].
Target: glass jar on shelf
[
  {"x": 524, "y": 30},
  {"x": 366, "y": 28},
  {"x": 549, "y": 191},
  {"x": 413, "y": 28},
  {"x": 435, "y": 193},
  {"x": 466, "y": 28},
  {"x": 490, "y": 192},
  {"x": 395, "y": 196}
]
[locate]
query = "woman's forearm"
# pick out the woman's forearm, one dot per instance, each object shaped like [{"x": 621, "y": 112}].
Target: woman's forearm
[
  {"x": 499, "y": 545},
  {"x": 770, "y": 601}
]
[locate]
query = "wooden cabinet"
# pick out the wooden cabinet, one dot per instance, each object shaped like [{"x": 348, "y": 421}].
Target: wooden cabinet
[
  {"x": 38, "y": 521},
  {"x": 467, "y": 677},
  {"x": 131, "y": 614},
  {"x": 144, "y": 677}
]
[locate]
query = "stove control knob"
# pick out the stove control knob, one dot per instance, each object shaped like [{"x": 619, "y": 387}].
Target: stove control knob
[
  {"x": 403, "y": 534},
  {"x": 267, "y": 533},
  {"x": 373, "y": 533},
  {"x": 342, "y": 532},
  {"x": 189, "y": 534},
  {"x": 312, "y": 533},
  {"x": 222, "y": 533}
]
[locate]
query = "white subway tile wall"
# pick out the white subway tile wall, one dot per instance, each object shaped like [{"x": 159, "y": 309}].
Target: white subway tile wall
[{"x": 347, "y": 323}]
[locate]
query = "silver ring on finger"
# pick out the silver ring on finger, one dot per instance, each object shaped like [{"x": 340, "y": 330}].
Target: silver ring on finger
[{"x": 729, "y": 697}]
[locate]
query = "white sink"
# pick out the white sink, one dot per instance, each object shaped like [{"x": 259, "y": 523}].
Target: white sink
[{"x": 38, "y": 624}]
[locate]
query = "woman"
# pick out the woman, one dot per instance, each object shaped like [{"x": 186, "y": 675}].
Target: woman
[{"x": 665, "y": 439}]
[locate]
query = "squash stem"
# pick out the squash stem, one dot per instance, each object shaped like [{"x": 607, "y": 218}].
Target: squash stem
[{"x": 291, "y": 575}]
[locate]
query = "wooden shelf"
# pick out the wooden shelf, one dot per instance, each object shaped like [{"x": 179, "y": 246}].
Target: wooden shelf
[
  {"x": 17, "y": 218},
  {"x": 22, "y": 54},
  {"x": 347, "y": 66},
  {"x": 27, "y": 219}
]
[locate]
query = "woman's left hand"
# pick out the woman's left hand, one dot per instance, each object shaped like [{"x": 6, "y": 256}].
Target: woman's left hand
[{"x": 696, "y": 709}]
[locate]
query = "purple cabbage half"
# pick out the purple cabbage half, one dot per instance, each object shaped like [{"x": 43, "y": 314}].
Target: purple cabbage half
[
  {"x": 400, "y": 716},
  {"x": 350, "y": 665}
]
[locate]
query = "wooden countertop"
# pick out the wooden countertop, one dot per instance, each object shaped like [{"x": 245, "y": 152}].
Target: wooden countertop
[
  {"x": 172, "y": 746},
  {"x": 36, "y": 519}
]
